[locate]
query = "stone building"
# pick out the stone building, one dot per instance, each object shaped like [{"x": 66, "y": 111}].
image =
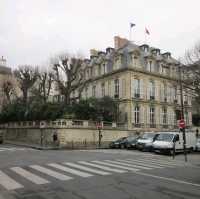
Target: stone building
[
  {"x": 143, "y": 80},
  {"x": 5, "y": 74}
]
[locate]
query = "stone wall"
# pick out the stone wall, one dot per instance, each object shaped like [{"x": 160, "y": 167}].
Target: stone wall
[{"x": 67, "y": 138}]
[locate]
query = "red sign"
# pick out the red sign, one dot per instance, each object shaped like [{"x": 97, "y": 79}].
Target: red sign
[
  {"x": 181, "y": 124},
  {"x": 99, "y": 126}
]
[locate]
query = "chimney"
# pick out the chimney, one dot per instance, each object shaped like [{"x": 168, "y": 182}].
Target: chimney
[{"x": 120, "y": 42}]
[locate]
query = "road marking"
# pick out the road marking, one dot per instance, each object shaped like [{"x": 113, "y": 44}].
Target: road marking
[
  {"x": 8, "y": 182},
  {"x": 168, "y": 179},
  {"x": 129, "y": 165},
  {"x": 87, "y": 169},
  {"x": 152, "y": 163},
  {"x": 165, "y": 162},
  {"x": 69, "y": 170},
  {"x": 117, "y": 166},
  {"x": 143, "y": 164},
  {"x": 51, "y": 173},
  {"x": 102, "y": 167},
  {"x": 29, "y": 176}
]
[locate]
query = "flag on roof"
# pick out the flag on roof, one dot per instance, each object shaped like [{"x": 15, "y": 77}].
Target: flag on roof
[
  {"x": 147, "y": 31},
  {"x": 132, "y": 25}
]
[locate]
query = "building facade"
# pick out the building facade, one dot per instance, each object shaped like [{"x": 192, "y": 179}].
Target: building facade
[
  {"x": 5, "y": 74},
  {"x": 143, "y": 81}
]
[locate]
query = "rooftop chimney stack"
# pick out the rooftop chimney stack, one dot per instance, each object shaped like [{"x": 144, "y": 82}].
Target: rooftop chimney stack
[{"x": 120, "y": 42}]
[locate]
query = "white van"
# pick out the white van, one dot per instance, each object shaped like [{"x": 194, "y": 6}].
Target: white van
[{"x": 165, "y": 142}]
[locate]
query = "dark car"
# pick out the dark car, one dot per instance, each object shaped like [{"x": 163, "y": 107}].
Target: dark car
[
  {"x": 1, "y": 137},
  {"x": 117, "y": 143},
  {"x": 131, "y": 144}
]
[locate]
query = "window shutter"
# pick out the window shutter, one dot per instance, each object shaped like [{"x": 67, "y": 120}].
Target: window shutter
[
  {"x": 156, "y": 91},
  {"x": 120, "y": 88},
  {"x": 161, "y": 119},
  {"x": 132, "y": 88},
  {"x": 141, "y": 89},
  {"x": 148, "y": 115},
  {"x": 148, "y": 91},
  {"x": 133, "y": 114},
  {"x": 142, "y": 114}
]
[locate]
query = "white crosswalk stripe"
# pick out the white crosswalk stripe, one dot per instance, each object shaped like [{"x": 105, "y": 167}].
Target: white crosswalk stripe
[
  {"x": 12, "y": 149},
  {"x": 70, "y": 170},
  {"x": 117, "y": 166},
  {"x": 87, "y": 169},
  {"x": 29, "y": 176},
  {"x": 102, "y": 167},
  {"x": 166, "y": 162},
  {"x": 128, "y": 164},
  {"x": 51, "y": 173},
  {"x": 142, "y": 164},
  {"x": 152, "y": 163},
  {"x": 8, "y": 183}
]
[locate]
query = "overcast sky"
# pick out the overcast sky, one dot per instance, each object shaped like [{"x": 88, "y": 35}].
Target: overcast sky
[{"x": 31, "y": 31}]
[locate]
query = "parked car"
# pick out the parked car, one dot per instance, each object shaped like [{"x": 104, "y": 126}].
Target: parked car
[
  {"x": 125, "y": 142},
  {"x": 117, "y": 143},
  {"x": 1, "y": 137},
  {"x": 166, "y": 141},
  {"x": 146, "y": 141},
  {"x": 132, "y": 142},
  {"x": 197, "y": 146}
]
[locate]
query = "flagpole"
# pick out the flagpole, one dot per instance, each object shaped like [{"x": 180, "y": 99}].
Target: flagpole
[{"x": 130, "y": 33}]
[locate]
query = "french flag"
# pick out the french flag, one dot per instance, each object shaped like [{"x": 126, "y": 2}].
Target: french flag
[{"x": 147, "y": 31}]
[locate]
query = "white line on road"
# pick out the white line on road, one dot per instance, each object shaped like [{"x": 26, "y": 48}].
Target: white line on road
[
  {"x": 8, "y": 182},
  {"x": 117, "y": 166},
  {"x": 168, "y": 179},
  {"x": 87, "y": 169},
  {"x": 29, "y": 176},
  {"x": 69, "y": 170},
  {"x": 128, "y": 164},
  {"x": 152, "y": 163},
  {"x": 102, "y": 167},
  {"x": 143, "y": 164},
  {"x": 51, "y": 173}
]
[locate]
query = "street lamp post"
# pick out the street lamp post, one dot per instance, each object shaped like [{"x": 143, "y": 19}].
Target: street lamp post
[{"x": 182, "y": 112}]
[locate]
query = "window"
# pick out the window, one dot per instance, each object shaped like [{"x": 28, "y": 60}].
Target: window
[
  {"x": 150, "y": 66},
  {"x": 94, "y": 91},
  {"x": 152, "y": 90},
  {"x": 137, "y": 115},
  {"x": 152, "y": 115},
  {"x": 116, "y": 82},
  {"x": 136, "y": 88},
  {"x": 164, "y": 115},
  {"x": 104, "y": 68},
  {"x": 102, "y": 89}
]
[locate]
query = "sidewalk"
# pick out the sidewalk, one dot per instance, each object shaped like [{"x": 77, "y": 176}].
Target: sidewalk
[{"x": 34, "y": 146}]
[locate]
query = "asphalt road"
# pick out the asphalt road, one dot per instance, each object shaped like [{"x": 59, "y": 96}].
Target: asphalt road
[{"x": 95, "y": 174}]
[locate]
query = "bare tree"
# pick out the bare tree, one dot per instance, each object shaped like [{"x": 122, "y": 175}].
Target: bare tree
[
  {"x": 68, "y": 76},
  {"x": 26, "y": 76},
  {"x": 43, "y": 85}
]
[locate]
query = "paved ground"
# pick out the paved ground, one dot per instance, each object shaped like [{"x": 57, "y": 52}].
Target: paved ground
[{"x": 91, "y": 174}]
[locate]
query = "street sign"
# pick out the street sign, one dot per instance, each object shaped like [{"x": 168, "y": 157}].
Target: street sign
[{"x": 181, "y": 124}]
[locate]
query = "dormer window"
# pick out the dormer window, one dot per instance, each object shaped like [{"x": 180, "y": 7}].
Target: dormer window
[{"x": 145, "y": 47}]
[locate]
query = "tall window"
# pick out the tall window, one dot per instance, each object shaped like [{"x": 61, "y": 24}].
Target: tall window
[
  {"x": 137, "y": 114},
  {"x": 104, "y": 68},
  {"x": 99, "y": 69},
  {"x": 164, "y": 115},
  {"x": 152, "y": 115},
  {"x": 116, "y": 82},
  {"x": 94, "y": 91},
  {"x": 152, "y": 90},
  {"x": 102, "y": 89},
  {"x": 150, "y": 66},
  {"x": 136, "y": 88}
]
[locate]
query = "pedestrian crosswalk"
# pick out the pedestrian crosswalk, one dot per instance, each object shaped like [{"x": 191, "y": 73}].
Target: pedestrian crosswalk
[{"x": 15, "y": 177}]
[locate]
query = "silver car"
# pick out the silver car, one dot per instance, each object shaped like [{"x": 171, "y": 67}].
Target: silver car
[{"x": 197, "y": 146}]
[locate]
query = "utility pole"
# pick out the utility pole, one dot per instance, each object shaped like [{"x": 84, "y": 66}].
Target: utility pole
[{"x": 182, "y": 112}]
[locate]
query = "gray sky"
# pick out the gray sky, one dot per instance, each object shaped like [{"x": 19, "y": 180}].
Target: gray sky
[{"x": 31, "y": 31}]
